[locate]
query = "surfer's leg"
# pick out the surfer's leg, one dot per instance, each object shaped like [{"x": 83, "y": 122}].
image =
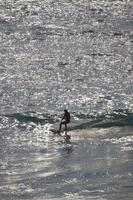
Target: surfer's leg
[
  {"x": 60, "y": 128},
  {"x": 61, "y": 125},
  {"x": 65, "y": 126},
  {"x": 65, "y": 129}
]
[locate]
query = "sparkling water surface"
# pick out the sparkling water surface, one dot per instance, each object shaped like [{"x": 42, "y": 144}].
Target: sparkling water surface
[
  {"x": 37, "y": 165},
  {"x": 74, "y": 54}
]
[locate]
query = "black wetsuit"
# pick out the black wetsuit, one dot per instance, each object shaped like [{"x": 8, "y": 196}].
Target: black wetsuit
[
  {"x": 67, "y": 117},
  {"x": 65, "y": 120}
]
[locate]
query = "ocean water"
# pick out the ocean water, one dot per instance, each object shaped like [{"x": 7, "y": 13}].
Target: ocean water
[{"x": 74, "y": 54}]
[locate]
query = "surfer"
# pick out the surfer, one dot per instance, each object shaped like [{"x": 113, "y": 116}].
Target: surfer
[{"x": 65, "y": 120}]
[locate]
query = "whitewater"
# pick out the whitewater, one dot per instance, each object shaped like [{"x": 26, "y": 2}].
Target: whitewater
[{"x": 75, "y": 55}]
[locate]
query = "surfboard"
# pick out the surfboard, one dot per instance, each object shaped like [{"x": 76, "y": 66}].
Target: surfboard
[
  {"x": 66, "y": 138},
  {"x": 55, "y": 131}
]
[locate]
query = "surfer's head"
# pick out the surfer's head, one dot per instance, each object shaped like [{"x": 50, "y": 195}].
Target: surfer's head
[{"x": 65, "y": 110}]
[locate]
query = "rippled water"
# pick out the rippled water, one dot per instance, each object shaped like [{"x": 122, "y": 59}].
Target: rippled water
[{"x": 74, "y": 54}]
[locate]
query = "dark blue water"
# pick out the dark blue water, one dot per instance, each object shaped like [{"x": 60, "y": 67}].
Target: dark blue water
[{"x": 74, "y": 54}]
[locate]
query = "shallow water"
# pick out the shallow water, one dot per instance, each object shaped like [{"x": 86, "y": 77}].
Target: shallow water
[{"x": 38, "y": 165}]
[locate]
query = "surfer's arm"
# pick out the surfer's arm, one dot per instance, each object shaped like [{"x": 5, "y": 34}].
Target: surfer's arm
[{"x": 63, "y": 118}]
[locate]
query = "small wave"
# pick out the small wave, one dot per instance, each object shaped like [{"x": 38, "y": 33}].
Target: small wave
[
  {"x": 118, "y": 118},
  {"x": 32, "y": 117}
]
